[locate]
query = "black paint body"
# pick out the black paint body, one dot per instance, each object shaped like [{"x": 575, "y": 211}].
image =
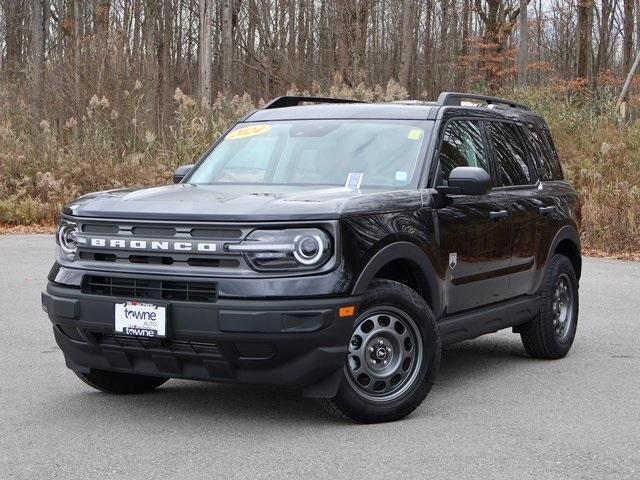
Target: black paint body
[{"x": 408, "y": 236}]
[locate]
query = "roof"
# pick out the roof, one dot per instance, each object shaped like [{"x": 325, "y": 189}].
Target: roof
[
  {"x": 448, "y": 104},
  {"x": 344, "y": 110}
]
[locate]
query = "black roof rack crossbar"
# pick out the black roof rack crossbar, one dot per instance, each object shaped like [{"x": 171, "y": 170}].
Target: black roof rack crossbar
[
  {"x": 455, "y": 98},
  {"x": 293, "y": 101}
]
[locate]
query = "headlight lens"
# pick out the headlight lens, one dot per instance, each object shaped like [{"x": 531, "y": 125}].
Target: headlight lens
[
  {"x": 67, "y": 238},
  {"x": 290, "y": 249}
]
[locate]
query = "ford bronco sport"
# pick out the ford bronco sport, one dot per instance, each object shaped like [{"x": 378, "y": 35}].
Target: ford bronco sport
[{"x": 327, "y": 245}]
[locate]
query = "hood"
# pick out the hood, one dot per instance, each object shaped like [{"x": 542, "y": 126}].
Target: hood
[{"x": 187, "y": 202}]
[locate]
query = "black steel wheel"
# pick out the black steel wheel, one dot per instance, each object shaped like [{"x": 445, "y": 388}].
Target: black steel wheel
[
  {"x": 393, "y": 356},
  {"x": 550, "y": 335}
]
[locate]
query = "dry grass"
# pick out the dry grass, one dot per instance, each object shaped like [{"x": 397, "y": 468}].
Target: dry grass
[
  {"x": 29, "y": 229},
  {"x": 46, "y": 162}
]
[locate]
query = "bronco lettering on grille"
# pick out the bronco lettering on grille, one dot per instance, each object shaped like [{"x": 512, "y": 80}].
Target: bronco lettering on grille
[{"x": 180, "y": 246}]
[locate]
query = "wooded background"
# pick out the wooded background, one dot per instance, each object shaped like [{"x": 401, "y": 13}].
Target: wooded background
[
  {"x": 69, "y": 50},
  {"x": 98, "y": 94}
]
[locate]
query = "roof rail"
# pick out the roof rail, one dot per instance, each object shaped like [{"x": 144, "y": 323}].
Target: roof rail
[
  {"x": 455, "y": 98},
  {"x": 293, "y": 101}
]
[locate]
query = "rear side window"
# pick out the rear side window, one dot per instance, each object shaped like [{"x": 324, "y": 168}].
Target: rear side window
[
  {"x": 550, "y": 154},
  {"x": 510, "y": 154},
  {"x": 544, "y": 155},
  {"x": 462, "y": 146}
]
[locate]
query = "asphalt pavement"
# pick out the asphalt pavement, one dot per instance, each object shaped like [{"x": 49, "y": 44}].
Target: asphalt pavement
[{"x": 493, "y": 413}]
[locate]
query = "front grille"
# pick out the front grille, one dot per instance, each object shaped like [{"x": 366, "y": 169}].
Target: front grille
[
  {"x": 178, "y": 346},
  {"x": 161, "y": 234},
  {"x": 150, "y": 289},
  {"x": 159, "y": 231}
]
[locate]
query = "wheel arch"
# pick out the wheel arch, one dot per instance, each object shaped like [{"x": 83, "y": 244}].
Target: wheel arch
[
  {"x": 567, "y": 243},
  {"x": 401, "y": 256}
]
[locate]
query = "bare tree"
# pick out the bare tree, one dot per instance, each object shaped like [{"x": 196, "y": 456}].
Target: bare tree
[
  {"x": 227, "y": 43},
  {"x": 204, "y": 51},
  {"x": 267, "y": 47},
  {"x": 498, "y": 19},
  {"x": 523, "y": 45},
  {"x": 583, "y": 36},
  {"x": 408, "y": 42},
  {"x": 102, "y": 9},
  {"x": 37, "y": 47},
  {"x": 627, "y": 49}
]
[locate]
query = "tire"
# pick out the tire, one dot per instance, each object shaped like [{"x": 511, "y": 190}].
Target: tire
[
  {"x": 412, "y": 364},
  {"x": 547, "y": 336},
  {"x": 120, "y": 383}
]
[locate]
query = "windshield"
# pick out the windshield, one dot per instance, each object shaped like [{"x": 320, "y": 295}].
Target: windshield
[{"x": 361, "y": 153}]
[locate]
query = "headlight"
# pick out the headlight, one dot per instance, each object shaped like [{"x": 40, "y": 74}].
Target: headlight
[
  {"x": 67, "y": 238},
  {"x": 291, "y": 249}
]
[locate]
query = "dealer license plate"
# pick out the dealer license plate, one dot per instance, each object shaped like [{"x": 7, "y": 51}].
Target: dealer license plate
[{"x": 140, "y": 319}]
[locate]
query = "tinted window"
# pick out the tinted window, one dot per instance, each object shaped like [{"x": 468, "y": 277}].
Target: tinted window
[
  {"x": 551, "y": 156},
  {"x": 540, "y": 155},
  {"x": 510, "y": 155},
  {"x": 462, "y": 147}
]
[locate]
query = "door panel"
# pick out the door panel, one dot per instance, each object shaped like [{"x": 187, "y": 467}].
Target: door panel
[
  {"x": 477, "y": 250},
  {"x": 474, "y": 231},
  {"x": 517, "y": 175},
  {"x": 524, "y": 205},
  {"x": 537, "y": 215}
]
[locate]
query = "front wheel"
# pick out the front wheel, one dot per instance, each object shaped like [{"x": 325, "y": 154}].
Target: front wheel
[
  {"x": 120, "y": 383},
  {"x": 394, "y": 355}
]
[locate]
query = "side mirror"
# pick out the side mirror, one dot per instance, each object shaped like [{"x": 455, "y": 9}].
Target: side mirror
[
  {"x": 468, "y": 181},
  {"x": 181, "y": 172}
]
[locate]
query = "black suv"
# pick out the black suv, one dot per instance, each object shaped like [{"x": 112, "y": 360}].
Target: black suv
[{"x": 328, "y": 245}]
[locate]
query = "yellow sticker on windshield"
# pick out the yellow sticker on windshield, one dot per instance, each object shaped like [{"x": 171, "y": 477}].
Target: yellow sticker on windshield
[
  {"x": 415, "y": 134},
  {"x": 246, "y": 132}
]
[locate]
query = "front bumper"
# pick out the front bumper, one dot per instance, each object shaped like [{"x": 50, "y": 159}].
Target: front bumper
[{"x": 296, "y": 343}]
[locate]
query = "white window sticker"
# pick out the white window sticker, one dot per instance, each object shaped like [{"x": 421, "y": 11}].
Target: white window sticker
[
  {"x": 354, "y": 180},
  {"x": 401, "y": 176}
]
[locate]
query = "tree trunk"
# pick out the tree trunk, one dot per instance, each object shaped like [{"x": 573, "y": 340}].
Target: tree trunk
[
  {"x": 345, "y": 12},
  {"x": 102, "y": 9},
  {"x": 408, "y": 42},
  {"x": 628, "y": 35},
  {"x": 227, "y": 44},
  {"x": 13, "y": 19},
  {"x": 428, "y": 51},
  {"x": 583, "y": 33},
  {"x": 464, "y": 47},
  {"x": 204, "y": 52},
  {"x": 523, "y": 46},
  {"x": 37, "y": 49},
  {"x": 621, "y": 103}
]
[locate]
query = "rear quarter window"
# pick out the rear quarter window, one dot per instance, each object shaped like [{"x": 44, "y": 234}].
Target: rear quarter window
[{"x": 544, "y": 154}]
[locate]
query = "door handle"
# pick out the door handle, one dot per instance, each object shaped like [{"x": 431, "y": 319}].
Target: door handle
[
  {"x": 546, "y": 210},
  {"x": 498, "y": 214}
]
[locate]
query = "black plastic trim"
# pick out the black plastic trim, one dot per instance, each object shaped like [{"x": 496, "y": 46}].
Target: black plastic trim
[
  {"x": 401, "y": 251},
  {"x": 472, "y": 324}
]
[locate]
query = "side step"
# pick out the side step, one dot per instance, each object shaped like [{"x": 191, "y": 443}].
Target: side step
[{"x": 464, "y": 326}]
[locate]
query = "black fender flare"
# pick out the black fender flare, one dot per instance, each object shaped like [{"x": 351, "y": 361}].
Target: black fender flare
[
  {"x": 402, "y": 251},
  {"x": 567, "y": 232}
]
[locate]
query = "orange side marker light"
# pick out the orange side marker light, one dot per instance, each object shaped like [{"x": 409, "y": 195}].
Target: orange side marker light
[{"x": 347, "y": 311}]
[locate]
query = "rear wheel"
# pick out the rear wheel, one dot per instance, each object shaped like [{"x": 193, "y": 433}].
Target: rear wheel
[
  {"x": 551, "y": 334},
  {"x": 120, "y": 383},
  {"x": 394, "y": 355}
]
